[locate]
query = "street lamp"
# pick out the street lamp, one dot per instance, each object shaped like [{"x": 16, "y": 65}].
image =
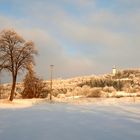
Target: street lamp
[{"x": 51, "y": 82}]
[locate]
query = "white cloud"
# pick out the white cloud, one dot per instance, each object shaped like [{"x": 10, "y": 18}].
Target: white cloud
[
  {"x": 101, "y": 37},
  {"x": 50, "y": 52},
  {"x": 96, "y": 33}
]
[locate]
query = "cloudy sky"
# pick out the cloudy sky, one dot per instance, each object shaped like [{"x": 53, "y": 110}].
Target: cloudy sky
[{"x": 80, "y": 37}]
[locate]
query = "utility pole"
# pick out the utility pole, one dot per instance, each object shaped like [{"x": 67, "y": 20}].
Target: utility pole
[
  {"x": 0, "y": 86},
  {"x": 51, "y": 82}
]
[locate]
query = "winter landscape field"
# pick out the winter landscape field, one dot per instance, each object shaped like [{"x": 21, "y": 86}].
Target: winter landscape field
[
  {"x": 103, "y": 120},
  {"x": 69, "y": 70}
]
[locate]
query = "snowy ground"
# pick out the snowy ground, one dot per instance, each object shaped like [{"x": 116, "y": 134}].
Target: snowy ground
[
  {"x": 62, "y": 121},
  {"x": 19, "y": 103}
]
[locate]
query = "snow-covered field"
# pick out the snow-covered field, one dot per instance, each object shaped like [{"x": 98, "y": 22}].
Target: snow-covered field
[{"x": 62, "y": 121}]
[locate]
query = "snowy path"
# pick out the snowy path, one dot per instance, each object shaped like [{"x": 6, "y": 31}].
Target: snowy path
[{"x": 71, "y": 122}]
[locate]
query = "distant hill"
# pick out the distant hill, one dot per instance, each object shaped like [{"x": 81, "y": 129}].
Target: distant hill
[{"x": 108, "y": 85}]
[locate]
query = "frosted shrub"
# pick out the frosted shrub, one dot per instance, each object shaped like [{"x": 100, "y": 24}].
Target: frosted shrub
[
  {"x": 55, "y": 92},
  {"x": 33, "y": 86},
  {"x": 109, "y": 89},
  {"x": 78, "y": 91},
  {"x": 95, "y": 92},
  {"x": 1, "y": 90},
  {"x": 86, "y": 90},
  {"x": 4, "y": 91},
  {"x": 103, "y": 82},
  {"x": 131, "y": 88},
  {"x": 69, "y": 94},
  {"x": 127, "y": 87},
  {"x": 61, "y": 96}
]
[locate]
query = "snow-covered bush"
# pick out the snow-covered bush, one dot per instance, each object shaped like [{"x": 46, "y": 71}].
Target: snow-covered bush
[
  {"x": 4, "y": 91},
  {"x": 109, "y": 89},
  {"x": 103, "y": 82},
  {"x": 95, "y": 92},
  {"x": 82, "y": 91},
  {"x": 1, "y": 90},
  {"x": 59, "y": 91},
  {"x": 61, "y": 96}
]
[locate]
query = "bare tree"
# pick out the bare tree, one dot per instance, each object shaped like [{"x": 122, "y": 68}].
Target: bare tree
[{"x": 15, "y": 54}]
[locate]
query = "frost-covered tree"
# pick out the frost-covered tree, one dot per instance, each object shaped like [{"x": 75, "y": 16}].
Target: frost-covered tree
[
  {"x": 33, "y": 86},
  {"x": 15, "y": 54}
]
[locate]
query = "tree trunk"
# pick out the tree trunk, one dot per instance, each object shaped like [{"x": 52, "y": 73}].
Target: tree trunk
[{"x": 13, "y": 89}]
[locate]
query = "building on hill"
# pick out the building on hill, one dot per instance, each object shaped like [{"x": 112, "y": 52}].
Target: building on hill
[{"x": 114, "y": 70}]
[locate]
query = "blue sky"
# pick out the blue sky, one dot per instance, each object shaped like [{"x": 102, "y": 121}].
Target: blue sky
[{"x": 80, "y": 37}]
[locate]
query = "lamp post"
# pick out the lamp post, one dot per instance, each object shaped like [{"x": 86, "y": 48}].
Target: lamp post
[{"x": 51, "y": 82}]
